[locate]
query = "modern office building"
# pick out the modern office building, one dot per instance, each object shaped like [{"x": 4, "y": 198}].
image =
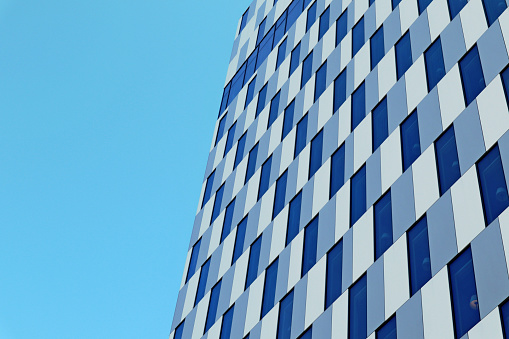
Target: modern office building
[{"x": 356, "y": 185}]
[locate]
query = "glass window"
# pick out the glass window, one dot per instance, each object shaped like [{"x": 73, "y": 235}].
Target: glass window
[
  {"x": 310, "y": 246},
  {"x": 284, "y": 326},
  {"x": 280, "y": 27},
  {"x": 228, "y": 218},
  {"x": 493, "y": 185},
  {"x": 383, "y": 225},
  {"x": 308, "y": 334},
  {"x": 250, "y": 92},
  {"x": 320, "y": 80},
  {"x": 315, "y": 159},
  {"x": 357, "y": 36},
  {"x": 251, "y": 163},
  {"x": 380, "y": 123},
  {"x": 262, "y": 97},
  {"x": 403, "y": 54},
  {"x": 493, "y": 9},
  {"x": 279, "y": 198},
  {"x": 306, "y": 3},
  {"x": 293, "y": 218},
  {"x": 243, "y": 22},
  {"x": 281, "y": 54},
  {"x": 224, "y": 99},
  {"x": 418, "y": 255},
  {"x": 395, "y": 4},
  {"x": 202, "y": 283},
  {"x": 208, "y": 188},
  {"x": 339, "y": 90},
  {"x": 300, "y": 139},
  {"x": 211, "y": 313},
  {"x": 269, "y": 288},
  {"x": 410, "y": 140},
  {"x": 504, "y": 313},
  {"x": 505, "y": 82},
  {"x": 358, "y": 310},
  {"x": 463, "y": 293},
  {"x": 324, "y": 23},
  {"x": 423, "y": 4},
  {"x": 307, "y": 67},
  {"x": 220, "y": 129},
  {"x": 237, "y": 83},
  {"x": 341, "y": 27},
  {"x": 265, "y": 47},
  {"x": 265, "y": 177},
  {"x": 179, "y": 331},
  {"x": 455, "y": 6},
  {"x": 311, "y": 16},
  {"x": 294, "y": 11},
  {"x": 358, "y": 195},
  {"x": 274, "y": 110},
  {"x": 254, "y": 259},
  {"x": 229, "y": 139},
  {"x": 239, "y": 240},
  {"x": 251, "y": 65},
  {"x": 337, "y": 170},
  {"x": 261, "y": 31},
  {"x": 447, "y": 160},
  {"x": 217, "y": 203},
  {"x": 371, "y": 2},
  {"x": 434, "y": 60},
  {"x": 240, "y": 150},
  {"x": 388, "y": 330},
  {"x": 194, "y": 260},
  {"x": 377, "y": 47},
  {"x": 334, "y": 274},
  {"x": 226, "y": 326},
  {"x": 294, "y": 59},
  {"x": 471, "y": 75},
  {"x": 358, "y": 105},
  {"x": 288, "y": 119}
]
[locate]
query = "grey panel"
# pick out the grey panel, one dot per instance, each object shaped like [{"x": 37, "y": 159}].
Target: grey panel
[
  {"x": 351, "y": 16},
  {"x": 326, "y": 228},
  {"x": 240, "y": 203},
  {"x": 373, "y": 178},
  {"x": 215, "y": 261},
  {"x": 403, "y": 204},
  {"x": 469, "y": 137},
  {"x": 335, "y": 9},
  {"x": 255, "y": 333},
  {"x": 239, "y": 317},
  {"x": 333, "y": 64},
  {"x": 179, "y": 307},
  {"x": 430, "y": 119},
  {"x": 492, "y": 52},
  {"x": 375, "y": 286},
  {"x": 371, "y": 90},
  {"x": 265, "y": 250},
  {"x": 317, "y": 57},
  {"x": 392, "y": 29},
  {"x": 347, "y": 260},
  {"x": 204, "y": 248},
  {"x": 252, "y": 225},
  {"x": 282, "y": 273},
  {"x": 291, "y": 181},
  {"x": 307, "y": 203},
  {"x": 196, "y": 229},
  {"x": 322, "y": 327},
  {"x": 348, "y": 157},
  {"x": 189, "y": 324},
  {"x": 299, "y": 306},
  {"x": 235, "y": 48},
  {"x": 453, "y": 43},
  {"x": 396, "y": 104},
  {"x": 349, "y": 78},
  {"x": 409, "y": 318},
  {"x": 370, "y": 22},
  {"x": 312, "y": 123},
  {"x": 210, "y": 162},
  {"x": 242, "y": 55},
  {"x": 260, "y": 15},
  {"x": 275, "y": 167},
  {"x": 224, "y": 296},
  {"x": 330, "y": 136},
  {"x": 419, "y": 36}
]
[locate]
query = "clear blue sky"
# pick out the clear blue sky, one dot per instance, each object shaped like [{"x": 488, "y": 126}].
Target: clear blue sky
[{"x": 107, "y": 109}]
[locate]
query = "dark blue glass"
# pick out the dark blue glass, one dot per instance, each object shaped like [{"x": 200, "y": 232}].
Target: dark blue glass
[
  {"x": 262, "y": 97},
  {"x": 220, "y": 129},
  {"x": 471, "y": 75},
  {"x": 334, "y": 274},
  {"x": 237, "y": 83},
  {"x": 239, "y": 241},
  {"x": 300, "y": 139},
  {"x": 315, "y": 159},
  {"x": 403, "y": 55},
  {"x": 250, "y": 92},
  {"x": 269, "y": 289},
  {"x": 434, "y": 60},
  {"x": 307, "y": 67},
  {"x": 294, "y": 11},
  {"x": 261, "y": 31},
  {"x": 388, "y": 331},
  {"x": 311, "y": 18},
  {"x": 240, "y": 150},
  {"x": 357, "y": 36},
  {"x": 306, "y": 3},
  {"x": 358, "y": 105},
  {"x": 324, "y": 23},
  {"x": 463, "y": 293},
  {"x": 193, "y": 261},
  {"x": 229, "y": 139},
  {"x": 254, "y": 260},
  {"x": 455, "y": 6},
  {"x": 505, "y": 83},
  {"x": 280, "y": 27},
  {"x": 493, "y": 185},
  {"x": 208, "y": 189},
  {"x": 383, "y": 225},
  {"x": 251, "y": 163},
  {"x": 418, "y": 255},
  {"x": 211, "y": 313},
  {"x": 284, "y": 326},
  {"x": 339, "y": 90},
  {"x": 226, "y": 326},
  {"x": 358, "y": 195},
  {"x": 228, "y": 219},
  {"x": 295, "y": 59},
  {"x": 380, "y": 124},
  {"x": 265, "y": 177},
  {"x": 274, "y": 110},
  {"x": 371, "y": 2},
  {"x": 341, "y": 27},
  {"x": 410, "y": 140},
  {"x": 281, "y": 53},
  {"x": 447, "y": 160},
  {"x": 179, "y": 331},
  {"x": 320, "y": 80},
  {"x": 265, "y": 47},
  {"x": 293, "y": 218},
  {"x": 423, "y": 4},
  {"x": 493, "y": 9},
  {"x": 337, "y": 170},
  {"x": 279, "y": 198},
  {"x": 251, "y": 65},
  {"x": 217, "y": 203},
  {"x": 224, "y": 100},
  {"x": 377, "y": 47},
  {"x": 310, "y": 246},
  {"x": 308, "y": 334},
  {"x": 288, "y": 119},
  {"x": 202, "y": 283},
  {"x": 395, "y": 4},
  {"x": 357, "y": 328},
  {"x": 243, "y": 22},
  {"x": 504, "y": 314}
]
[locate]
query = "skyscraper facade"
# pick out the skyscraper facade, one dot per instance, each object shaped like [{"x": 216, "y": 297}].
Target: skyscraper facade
[{"x": 356, "y": 186}]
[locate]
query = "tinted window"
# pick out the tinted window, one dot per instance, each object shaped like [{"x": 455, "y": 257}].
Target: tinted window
[
  {"x": 341, "y": 27},
  {"x": 493, "y": 9},
  {"x": 358, "y": 195},
  {"x": 310, "y": 246},
  {"x": 295, "y": 58},
  {"x": 261, "y": 31},
  {"x": 339, "y": 90},
  {"x": 254, "y": 259},
  {"x": 208, "y": 188},
  {"x": 380, "y": 124},
  {"x": 358, "y": 106},
  {"x": 358, "y": 310},
  {"x": 262, "y": 96},
  {"x": 239, "y": 240},
  {"x": 224, "y": 100},
  {"x": 226, "y": 326},
  {"x": 251, "y": 163},
  {"x": 300, "y": 139},
  {"x": 250, "y": 92},
  {"x": 179, "y": 331},
  {"x": 377, "y": 47},
  {"x": 418, "y": 255},
  {"x": 211, "y": 313},
  {"x": 193, "y": 261},
  {"x": 324, "y": 23},
  {"x": 504, "y": 313},
  {"x": 315, "y": 159},
  {"x": 388, "y": 331},
  {"x": 228, "y": 218},
  {"x": 505, "y": 82},
  {"x": 293, "y": 218},
  {"x": 265, "y": 176},
  {"x": 447, "y": 160},
  {"x": 202, "y": 283},
  {"x": 410, "y": 140},
  {"x": 320, "y": 80},
  {"x": 220, "y": 129},
  {"x": 307, "y": 65},
  {"x": 334, "y": 274},
  {"x": 288, "y": 119},
  {"x": 274, "y": 109},
  {"x": 383, "y": 225},
  {"x": 294, "y": 10},
  {"x": 423, "y": 4},
  {"x": 403, "y": 55},
  {"x": 471, "y": 75},
  {"x": 243, "y": 22},
  {"x": 280, "y": 27},
  {"x": 251, "y": 65},
  {"x": 229, "y": 139},
  {"x": 265, "y": 47},
  {"x": 284, "y": 326},
  {"x": 337, "y": 170},
  {"x": 269, "y": 289},
  {"x": 308, "y": 334},
  {"x": 395, "y": 3},
  {"x": 281, "y": 54},
  {"x": 279, "y": 199},
  {"x": 434, "y": 60},
  {"x": 357, "y": 36},
  {"x": 455, "y": 6},
  {"x": 217, "y": 203},
  {"x": 311, "y": 16},
  {"x": 240, "y": 150}
]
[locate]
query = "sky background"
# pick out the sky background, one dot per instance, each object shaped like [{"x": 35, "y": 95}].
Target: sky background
[{"x": 107, "y": 110}]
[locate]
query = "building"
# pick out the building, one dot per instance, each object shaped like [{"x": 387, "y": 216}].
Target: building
[{"x": 357, "y": 182}]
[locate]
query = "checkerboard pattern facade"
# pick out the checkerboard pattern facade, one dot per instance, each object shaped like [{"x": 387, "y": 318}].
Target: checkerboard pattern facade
[{"x": 356, "y": 186}]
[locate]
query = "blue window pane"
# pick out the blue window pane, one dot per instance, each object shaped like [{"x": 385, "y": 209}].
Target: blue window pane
[
  {"x": 193, "y": 261},
  {"x": 383, "y": 225},
  {"x": 434, "y": 60},
  {"x": 217, "y": 203},
  {"x": 471, "y": 75},
  {"x": 455, "y": 6},
  {"x": 288, "y": 119},
  {"x": 505, "y": 82},
  {"x": 358, "y": 105},
  {"x": 254, "y": 259},
  {"x": 279, "y": 199},
  {"x": 224, "y": 100},
  {"x": 261, "y": 31},
  {"x": 388, "y": 331},
  {"x": 310, "y": 246},
  {"x": 357, "y": 36},
  {"x": 281, "y": 53},
  {"x": 395, "y": 4},
  {"x": 320, "y": 80},
  {"x": 220, "y": 129},
  {"x": 371, "y": 2},
  {"x": 265, "y": 47},
  {"x": 228, "y": 218},
  {"x": 307, "y": 67},
  {"x": 262, "y": 97},
  {"x": 306, "y": 3},
  {"x": 293, "y": 218},
  {"x": 504, "y": 313},
  {"x": 179, "y": 331},
  {"x": 358, "y": 310},
  {"x": 237, "y": 83},
  {"x": 300, "y": 139},
  {"x": 239, "y": 241},
  {"x": 251, "y": 65},
  {"x": 324, "y": 23},
  {"x": 358, "y": 195},
  {"x": 339, "y": 90},
  {"x": 295, "y": 59},
  {"x": 423, "y": 4},
  {"x": 280, "y": 27},
  {"x": 341, "y": 27},
  {"x": 294, "y": 11},
  {"x": 463, "y": 293},
  {"x": 274, "y": 110},
  {"x": 377, "y": 47},
  {"x": 493, "y": 185},
  {"x": 493, "y": 9},
  {"x": 315, "y": 159},
  {"x": 410, "y": 140},
  {"x": 202, "y": 283},
  {"x": 308, "y": 334},
  {"x": 265, "y": 177},
  {"x": 284, "y": 326},
  {"x": 311, "y": 18},
  {"x": 229, "y": 139},
  {"x": 226, "y": 326},
  {"x": 337, "y": 170},
  {"x": 447, "y": 160},
  {"x": 418, "y": 255},
  {"x": 250, "y": 92},
  {"x": 403, "y": 55},
  {"x": 334, "y": 274},
  {"x": 243, "y": 22},
  {"x": 380, "y": 124},
  {"x": 240, "y": 150},
  {"x": 251, "y": 163},
  {"x": 269, "y": 289},
  {"x": 208, "y": 189},
  {"x": 214, "y": 299}
]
